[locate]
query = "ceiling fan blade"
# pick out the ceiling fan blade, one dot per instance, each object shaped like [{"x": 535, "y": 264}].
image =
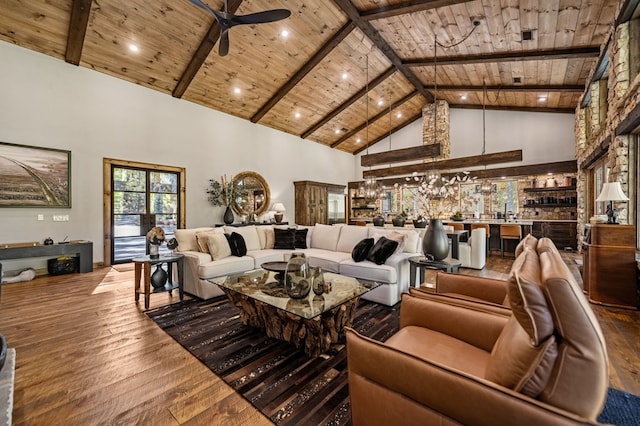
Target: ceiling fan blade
[
  {"x": 261, "y": 17},
  {"x": 205, "y": 7},
  {"x": 223, "y": 48}
]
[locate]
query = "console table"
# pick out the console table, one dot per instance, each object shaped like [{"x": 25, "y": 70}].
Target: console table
[{"x": 82, "y": 249}]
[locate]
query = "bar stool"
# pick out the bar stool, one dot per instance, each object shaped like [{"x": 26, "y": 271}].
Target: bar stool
[
  {"x": 459, "y": 227},
  {"x": 509, "y": 232},
  {"x": 485, "y": 226}
]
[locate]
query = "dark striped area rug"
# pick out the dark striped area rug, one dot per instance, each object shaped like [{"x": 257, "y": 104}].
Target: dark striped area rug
[{"x": 282, "y": 382}]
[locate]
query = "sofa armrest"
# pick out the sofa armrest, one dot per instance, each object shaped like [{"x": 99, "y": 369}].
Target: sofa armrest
[
  {"x": 478, "y": 328},
  {"x": 487, "y": 289},
  {"x": 460, "y": 301},
  {"x": 191, "y": 278},
  {"x": 387, "y": 386}
]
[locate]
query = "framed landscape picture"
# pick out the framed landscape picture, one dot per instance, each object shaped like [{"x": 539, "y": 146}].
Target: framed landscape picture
[{"x": 34, "y": 177}]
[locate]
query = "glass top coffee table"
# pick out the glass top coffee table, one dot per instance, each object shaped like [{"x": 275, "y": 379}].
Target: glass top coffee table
[{"x": 312, "y": 323}]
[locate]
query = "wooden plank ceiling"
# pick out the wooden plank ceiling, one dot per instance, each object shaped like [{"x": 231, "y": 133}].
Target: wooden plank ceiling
[{"x": 343, "y": 63}]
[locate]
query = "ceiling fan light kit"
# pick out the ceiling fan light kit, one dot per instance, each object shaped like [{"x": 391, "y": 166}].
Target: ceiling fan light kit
[{"x": 228, "y": 20}]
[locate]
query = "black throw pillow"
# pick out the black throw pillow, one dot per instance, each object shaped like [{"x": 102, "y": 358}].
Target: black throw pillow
[
  {"x": 284, "y": 238},
  {"x": 382, "y": 250},
  {"x": 361, "y": 250},
  {"x": 237, "y": 244},
  {"x": 301, "y": 238}
]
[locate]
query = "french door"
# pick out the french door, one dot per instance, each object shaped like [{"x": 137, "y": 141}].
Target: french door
[{"x": 139, "y": 199}]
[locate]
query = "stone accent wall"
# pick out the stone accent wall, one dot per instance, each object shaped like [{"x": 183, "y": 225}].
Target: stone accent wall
[{"x": 443, "y": 124}]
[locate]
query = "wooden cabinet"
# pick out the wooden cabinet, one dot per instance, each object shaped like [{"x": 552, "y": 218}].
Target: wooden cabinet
[
  {"x": 609, "y": 265},
  {"x": 563, "y": 234},
  {"x": 312, "y": 202}
]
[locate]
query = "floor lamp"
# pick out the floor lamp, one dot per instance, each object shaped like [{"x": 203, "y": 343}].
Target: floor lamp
[{"x": 612, "y": 191}]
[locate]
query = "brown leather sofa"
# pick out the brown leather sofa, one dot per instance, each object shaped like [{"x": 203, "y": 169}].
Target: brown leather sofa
[{"x": 454, "y": 362}]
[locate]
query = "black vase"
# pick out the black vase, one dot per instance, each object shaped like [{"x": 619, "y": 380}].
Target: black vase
[
  {"x": 398, "y": 221},
  {"x": 228, "y": 216},
  {"x": 420, "y": 223},
  {"x": 378, "y": 220},
  {"x": 159, "y": 277},
  {"x": 435, "y": 242}
]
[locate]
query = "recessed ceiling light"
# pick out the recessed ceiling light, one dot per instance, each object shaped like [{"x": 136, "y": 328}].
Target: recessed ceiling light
[
  {"x": 380, "y": 102},
  {"x": 463, "y": 97},
  {"x": 337, "y": 131},
  {"x": 542, "y": 99},
  {"x": 398, "y": 115},
  {"x": 345, "y": 75},
  {"x": 284, "y": 33},
  {"x": 133, "y": 47},
  {"x": 297, "y": 115},
  {"x": 358, "y": 140},
  {"x": 236, "y": 90}
]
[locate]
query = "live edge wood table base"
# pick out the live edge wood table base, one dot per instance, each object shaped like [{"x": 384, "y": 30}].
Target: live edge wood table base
[
  {"x": 314, "y": 335},
  {"x": 143, "y": 268}
]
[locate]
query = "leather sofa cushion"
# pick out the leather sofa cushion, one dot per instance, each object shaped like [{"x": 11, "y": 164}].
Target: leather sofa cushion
[
  {"x": 249, "y": 233},
  {"x": 440, "y": 348},
  {"x": 187, "y": 238},
  {"x": 325, "y": 237},
  {"x": 350, "y": 236},
  {"x": 528, "y": 241},
  {"x": 516, "y": 364},
  {"x": 528, "y": 303},
  {"x": 580, "y": 385}
]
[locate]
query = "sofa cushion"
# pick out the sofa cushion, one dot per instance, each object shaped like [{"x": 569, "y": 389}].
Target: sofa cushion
[
  {"x": 350, "y": 236},
  {"x": 527, "y": 301},
  {"x": 361, "y": 250},
  {"x": 225, "y": 266},
  {"x": 517, "y": 364},
  {"x": 411, "y": 241},
  {"x": 237, "y": 244},
  {"x": 187, "y": 238},
  {"x": 266, "y": 236},
  {"x": 300, "y": 240},
  {"x": 284, "y": 239},
  {"x": 369, "y": 271},
  {"x": 249, "y": 233},
  {"x": 382, "y": 250},
  {"x": 202, "y": 238},
  {"x": 218, "y": 246},
  {"x": 270, "y": 255},
  {"x": 325, "y": 237}
]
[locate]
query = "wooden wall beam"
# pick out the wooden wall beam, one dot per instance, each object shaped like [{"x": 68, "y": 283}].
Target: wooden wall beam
[
  {"x": 372, "y": 119},
  {"x": 534, "y": 55},
  {"x": 529, "y": 88},
  {"x": 80, "y": 10},
  {"x": 408, "y": 7},
  {"x": 362, "y": 92},
  {"x": 326, "y": 48},
  {"x": 201, "y": 54},
  {"x": 596, "y": 154},
  {"x": 515, "y": 108},
  {"x": 379, "y": 41},
  {"x": 452, "y": 163},
  {"x": 401, "y": 155}
]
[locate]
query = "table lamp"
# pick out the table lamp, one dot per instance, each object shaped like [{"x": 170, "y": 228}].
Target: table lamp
[
  {"x": 612, "y": 191},
  {"x": 279, "y": 208}
]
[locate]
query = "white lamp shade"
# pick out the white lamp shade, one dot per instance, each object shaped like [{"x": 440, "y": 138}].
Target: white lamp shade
[
  {"x": 279, "y": 207},
  {"x": 612, "y": 191}
]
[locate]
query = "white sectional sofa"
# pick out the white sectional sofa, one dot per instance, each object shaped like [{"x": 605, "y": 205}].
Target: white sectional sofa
[{"x": 328, "y": 247}]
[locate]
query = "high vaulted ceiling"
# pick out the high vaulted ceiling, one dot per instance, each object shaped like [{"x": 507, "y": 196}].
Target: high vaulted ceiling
[{"x": 313, "y": 83}]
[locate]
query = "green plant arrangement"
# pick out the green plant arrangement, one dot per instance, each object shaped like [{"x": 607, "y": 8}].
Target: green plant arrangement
[{"x": 221, "y": 192}]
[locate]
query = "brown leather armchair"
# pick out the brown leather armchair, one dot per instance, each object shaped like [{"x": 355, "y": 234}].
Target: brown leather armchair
[{"x": 542, "y": 363}]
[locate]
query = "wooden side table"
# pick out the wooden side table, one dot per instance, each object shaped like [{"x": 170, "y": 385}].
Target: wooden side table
[
  {"x": 448, "y": 265},
  {"x": 143, "y": 267}
]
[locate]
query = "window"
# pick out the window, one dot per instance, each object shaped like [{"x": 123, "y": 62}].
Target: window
[
  {"x": 505, "y": 197},
  {"x": 471, "y": 199},
  {"x": 600, "y": 173}
]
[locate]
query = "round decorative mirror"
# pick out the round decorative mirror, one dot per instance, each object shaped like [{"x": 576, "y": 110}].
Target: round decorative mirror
[{"x": 252, "y": 194}]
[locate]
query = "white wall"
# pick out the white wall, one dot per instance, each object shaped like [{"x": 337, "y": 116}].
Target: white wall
[
  {"x": 543, "y": 137},
  {"x": 46, "y": 102}
]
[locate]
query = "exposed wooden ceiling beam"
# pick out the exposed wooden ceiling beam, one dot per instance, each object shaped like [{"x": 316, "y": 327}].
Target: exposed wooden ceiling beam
[
  {"x": 451, "y": 163},
  {"x": 362, "y": 92},
  {"x": 402, "y": 125},
  {"x": 201, "y": 54},
  {"x": 550, "y": 88},
  {"x": 80, "y": 10},
  {"x": 372, "y": 119},
  {"x": 515, "y": 108},
  {"x": 306, "y": 69},
  {"x": 373, "y": 34},
  {"x": 532, "y": 55},
  {"x": 408, "y": 7},
  {"x": 401, "y": 155}
]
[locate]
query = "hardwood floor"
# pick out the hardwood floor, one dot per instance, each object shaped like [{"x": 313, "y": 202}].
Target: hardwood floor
[{"x": 87, "y": 354}]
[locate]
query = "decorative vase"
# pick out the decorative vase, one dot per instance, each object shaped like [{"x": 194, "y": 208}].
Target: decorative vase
[
  {"x": 228, "y": 216},
  {"x": 159, "y": 277},
  {"x": 318, "y": 281},
  {"x": 297, "y": 280},
  {"x": 378, "y": 220},
  {"x": 420, "y": 223},
  {"x": 398, "y": 221},
  {"x": 154, "y": 251},
  {"x": 435, "y": 243}
]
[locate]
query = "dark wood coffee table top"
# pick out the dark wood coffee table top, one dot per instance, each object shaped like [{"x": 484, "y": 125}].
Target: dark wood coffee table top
[{"x": 274, "y": 266}]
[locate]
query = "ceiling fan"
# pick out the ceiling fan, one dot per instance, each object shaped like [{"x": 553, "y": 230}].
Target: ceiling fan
[{"x": 227, "y": 20}]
